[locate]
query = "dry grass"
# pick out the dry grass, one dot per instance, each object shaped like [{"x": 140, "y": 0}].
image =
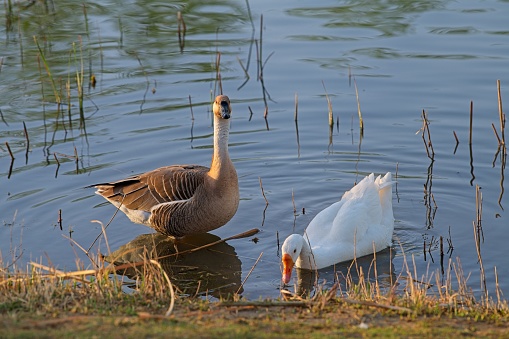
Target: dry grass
[{"x": 43, "y": 290}]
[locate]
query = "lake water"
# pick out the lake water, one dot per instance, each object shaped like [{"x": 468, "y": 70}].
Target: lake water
[{"x": 405, "y": 57}]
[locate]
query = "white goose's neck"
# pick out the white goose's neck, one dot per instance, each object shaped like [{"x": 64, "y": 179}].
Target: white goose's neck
[
  {"x": 220, "y": 156},
  {"x": 306, "y": 258}
]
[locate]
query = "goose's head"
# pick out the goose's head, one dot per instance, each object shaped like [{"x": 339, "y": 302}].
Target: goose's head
[
  {"x": 290, "y": 252},
  {"x": 222, "y": 108}
]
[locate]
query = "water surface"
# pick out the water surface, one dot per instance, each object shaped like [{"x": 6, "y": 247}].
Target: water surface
[{"x": 436, "y": 56}]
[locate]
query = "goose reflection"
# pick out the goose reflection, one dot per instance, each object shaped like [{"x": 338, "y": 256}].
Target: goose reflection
[
  {"x": 215, "y": 270},
  {"x": 307, "y": 280}
]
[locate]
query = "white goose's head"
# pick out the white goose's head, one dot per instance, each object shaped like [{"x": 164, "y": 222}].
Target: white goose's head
[
  {"x": 222, "y": 108},
  {"x": 289, "y": 253}
]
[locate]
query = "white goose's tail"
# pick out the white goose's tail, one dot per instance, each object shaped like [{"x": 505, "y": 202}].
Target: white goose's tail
[{"x": 385, "y": 193}]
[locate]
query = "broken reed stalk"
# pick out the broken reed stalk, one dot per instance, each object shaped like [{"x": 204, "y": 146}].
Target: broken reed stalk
[
  {"x": 26, "y": 135},
  {"x": 456, "y": 137},
  {"x": 496, "y": 134},
  {"x": 60, "y": 219},
  {"x": 191, "y": 107},
  {"x": 58, "y": 164},
  {"x": 296, "y": 114},
  {"x": 9, "y": 150},
  {"x": 329, "y": 106},
  {"x": 260, "y": 67},
  {"x": 250, "y": 112},
  {"x": 56, "y": 159},
  {"x": 249, "y": 273},
  {"x": 478, "y": 237},
  {"x": 501, "y": 112},
  {"x": 471, "y": 121},
  {"x": 457, "y": 142},
  {"x": 263, "y": 192},
  {"x": 76, "y": 159},
  {"x": 181, "y": 30},
  {"x": 426, "y": 133},
  {"x": 361, "y": 122}
]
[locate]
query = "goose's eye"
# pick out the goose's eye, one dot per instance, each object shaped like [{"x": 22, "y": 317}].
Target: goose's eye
[{"x": 295, "y": 251}]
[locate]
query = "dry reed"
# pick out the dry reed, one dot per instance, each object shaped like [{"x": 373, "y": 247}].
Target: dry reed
[
  {"x": 329, "y": 106},
  {"x": 361, "y": 122}
]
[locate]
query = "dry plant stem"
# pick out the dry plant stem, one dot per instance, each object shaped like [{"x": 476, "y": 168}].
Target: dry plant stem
[
  {"x": 191, "y": 107},
  {"x": 181, "y": 30},
  {"x": 76, "y": 159},
  {"x": 260, "y": 68},
  {"x": 246, "y": 73},
  {"x": 456, "y": 137},
  {"x": 496, "y": 134},
  {"x": 9, "y": 150},
  {"x": 109, "y": 222},
  {"x": 77, "y": 275},
  {"x": 249, "y": 273},
  {"x": 87, "y": 253},
  {"x": 478, "y": 236},
  {"x": 471, "y": 121},
  {"x": 329, "y": 106},
  {"x": 501, "y": 112},
  {"x": 296, "y": 114},
  {"x": 250, "y": 112},
  {"x": 426, "y": 136},
  {"x": 361, "y": 122},
  {"x": 60, "y": 219},
  {"x": 172, "y": 292},
  {"x": 263, "y": 192},
  {"x": 26, "y": 135},
  {"x": 103, "y": 230}
]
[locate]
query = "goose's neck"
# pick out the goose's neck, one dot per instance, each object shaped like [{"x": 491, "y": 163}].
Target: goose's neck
[
  {"x": 306, "y": 258},
  {"x": 220, "y": 157}
]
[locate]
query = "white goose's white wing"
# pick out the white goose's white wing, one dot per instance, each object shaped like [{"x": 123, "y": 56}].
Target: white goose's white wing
[{"x": 352, "y": 227}]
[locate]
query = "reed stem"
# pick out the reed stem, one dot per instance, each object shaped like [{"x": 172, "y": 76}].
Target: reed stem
[
  {"x": 329, "y": 105},
  {"x": 501, "y": 112},
  {"x": 9, "y": 150},
  {"x": 45, "y": 63},
  {"x": 361, "y": 122},
  {"x": 296, "y": 114},
  {"x": 471, "y": 121}
]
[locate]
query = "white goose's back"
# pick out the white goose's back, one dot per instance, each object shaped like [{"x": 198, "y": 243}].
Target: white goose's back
[{"x": 361, "y": 223}]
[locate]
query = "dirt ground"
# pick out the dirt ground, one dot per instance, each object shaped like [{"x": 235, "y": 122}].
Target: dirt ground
[{"x": 258, "y": 320}]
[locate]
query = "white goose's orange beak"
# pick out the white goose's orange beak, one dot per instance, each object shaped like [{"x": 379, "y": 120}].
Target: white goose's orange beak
[{"x": 287, "y": 267}]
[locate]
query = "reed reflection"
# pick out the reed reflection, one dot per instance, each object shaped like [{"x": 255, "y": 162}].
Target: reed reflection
[{"x": 215, "y": 270}]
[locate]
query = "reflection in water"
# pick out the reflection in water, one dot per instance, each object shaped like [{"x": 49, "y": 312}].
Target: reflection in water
[
  {"x": 215, "y": 270},
  {"x": 378, "y": 267}
]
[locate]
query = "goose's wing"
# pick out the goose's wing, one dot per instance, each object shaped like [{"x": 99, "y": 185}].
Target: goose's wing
[
  {"x": 350, "y": 218},
  {"x": 165, "y": 184},
  {"x": 360, "y": 211},
  {"x": 320, "y": 228}
]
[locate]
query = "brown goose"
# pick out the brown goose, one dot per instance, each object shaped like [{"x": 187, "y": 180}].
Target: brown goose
[{"x": 181, "y": 200}]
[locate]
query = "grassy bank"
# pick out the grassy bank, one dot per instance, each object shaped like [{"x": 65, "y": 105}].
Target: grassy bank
[{"x": 44, "y": 302}]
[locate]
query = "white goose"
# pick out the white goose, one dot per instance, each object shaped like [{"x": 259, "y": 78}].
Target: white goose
[
  {"x": 182, "y": 200},
  {"x": 361, "y": 223}
]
